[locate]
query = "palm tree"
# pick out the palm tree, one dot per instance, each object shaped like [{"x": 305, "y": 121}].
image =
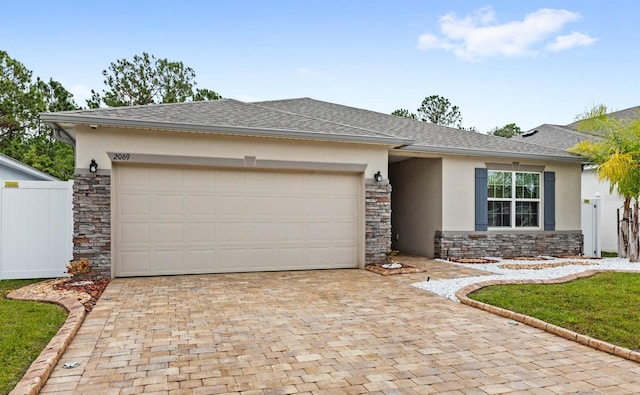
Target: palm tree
[{"x": 616, "y": 153}]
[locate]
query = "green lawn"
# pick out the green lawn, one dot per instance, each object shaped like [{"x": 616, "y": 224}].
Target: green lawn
[
  {"x": 25, "y": 329},
  {"x": 605, "y": 306}
]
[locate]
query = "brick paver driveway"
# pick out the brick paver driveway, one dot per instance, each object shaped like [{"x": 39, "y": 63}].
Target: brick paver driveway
[{"x": 336, "y": 331}]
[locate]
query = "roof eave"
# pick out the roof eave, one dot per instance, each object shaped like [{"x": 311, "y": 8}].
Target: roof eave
[
  {"x": 500, "y": 154},
  {"x": 54, "y": 119}
]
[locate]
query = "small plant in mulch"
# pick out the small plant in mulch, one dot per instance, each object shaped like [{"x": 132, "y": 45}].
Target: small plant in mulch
[
  {"x": 84, "y": 279},
  {"x": 390, "y": 258},
  {"x": 392, "y": 265},
  {"x": 80, "y": 268},
  {"x": 473, "y": 260}
]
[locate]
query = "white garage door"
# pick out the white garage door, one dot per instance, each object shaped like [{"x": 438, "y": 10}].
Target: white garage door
[{"x": 192, "y": 220}]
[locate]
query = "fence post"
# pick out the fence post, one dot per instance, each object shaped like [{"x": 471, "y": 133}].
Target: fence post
[{"x": 597, "y": 200}]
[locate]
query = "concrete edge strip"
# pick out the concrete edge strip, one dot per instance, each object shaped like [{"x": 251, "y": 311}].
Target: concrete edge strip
[
  {"x": 588, "y": 341},
  {"x": 40, "y": 370}
]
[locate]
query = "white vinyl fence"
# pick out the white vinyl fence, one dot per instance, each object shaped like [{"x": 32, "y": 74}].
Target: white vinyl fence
[
  {"x": 591, "y": 225},
  {"x": 36, "y": 228}
]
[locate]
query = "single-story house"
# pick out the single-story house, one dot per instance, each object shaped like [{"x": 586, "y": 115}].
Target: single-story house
[
  {"x": 564, "y": 137},
  {"x": 11, "y": 169},
  {"x": 229, "y": 186}
]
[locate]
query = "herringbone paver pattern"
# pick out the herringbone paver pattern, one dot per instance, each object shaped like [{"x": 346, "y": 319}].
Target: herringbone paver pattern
[{"x": 317, "y": 332}]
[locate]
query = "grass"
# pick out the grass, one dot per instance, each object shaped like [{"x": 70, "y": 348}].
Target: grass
[
  {"x": 25, "y": 328},
  {"x": 605, "y": 306}
]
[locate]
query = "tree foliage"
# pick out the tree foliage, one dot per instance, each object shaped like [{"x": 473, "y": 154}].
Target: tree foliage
[
  {"x": 19, "y": 99},
  {"x": 403, "y": 112},
  {"x": 435, "y": 109},
  {"x": 439, "y": 110},
  {"x": 22, "y": 135},
  {"x": 509, "y": 130},
  {"x": 616, "y": 153},
  {"x": 148, "y": 80}
]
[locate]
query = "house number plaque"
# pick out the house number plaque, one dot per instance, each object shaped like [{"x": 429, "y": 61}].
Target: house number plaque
[{"x": 120, "y": 156}]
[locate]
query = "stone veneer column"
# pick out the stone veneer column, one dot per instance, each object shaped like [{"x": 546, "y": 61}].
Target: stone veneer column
[
  {"x": 92, "y": 220},
  {"x": 377, "y": 220}
]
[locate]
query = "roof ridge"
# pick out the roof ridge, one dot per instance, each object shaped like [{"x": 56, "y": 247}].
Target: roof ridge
[
  {"x": 200, "y": 102},
  {"x": 321, "y": 119}
]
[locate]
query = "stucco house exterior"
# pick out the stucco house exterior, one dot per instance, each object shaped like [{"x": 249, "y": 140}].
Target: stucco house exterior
[
  {"x": 229, "y": 186},
  {"x": 11, "y": 169},
  {"x": 564, "y": 137}
]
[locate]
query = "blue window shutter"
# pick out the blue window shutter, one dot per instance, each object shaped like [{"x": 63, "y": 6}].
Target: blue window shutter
[
  {"x": 549, "y": 200},
  {"x": 482, "y": 205}
]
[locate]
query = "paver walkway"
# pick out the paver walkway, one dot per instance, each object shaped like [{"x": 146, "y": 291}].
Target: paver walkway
[{"x": 334, "y": 331}]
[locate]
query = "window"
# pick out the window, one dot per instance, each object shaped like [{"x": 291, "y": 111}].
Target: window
[{"x": 513, "y": 199}]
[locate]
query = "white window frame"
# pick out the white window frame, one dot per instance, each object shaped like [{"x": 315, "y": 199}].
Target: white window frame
[{"x": 512, "y": 201}]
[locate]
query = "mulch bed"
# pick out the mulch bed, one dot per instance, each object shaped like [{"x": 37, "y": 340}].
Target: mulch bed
[
  {"x": 526, "y": 258},
  {"x": 377, "y": 268},
  {"x": 91, "y": 286},
  {"x": 472, "y": 260}
]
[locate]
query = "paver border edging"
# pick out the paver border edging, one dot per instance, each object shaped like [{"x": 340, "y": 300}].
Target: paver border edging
[
  {"x": 40, "y": 370},
  {"x": 588, "y": 341}
]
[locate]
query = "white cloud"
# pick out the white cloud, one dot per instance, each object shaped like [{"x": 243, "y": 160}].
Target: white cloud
[
  {"x": 480, "y": 35},
  {"x": 569, "y": 41}
]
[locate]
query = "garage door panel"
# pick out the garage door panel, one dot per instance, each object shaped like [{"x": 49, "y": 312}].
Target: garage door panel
[
  {"x": 265, "y": 231},
  {"x": 229, "y": 205},
  {"x": 168, "y": 261},
  {"x": 135, "y": 178},
  {"x": 199, "y": 205},
  {"x": 134, "y": 204},
  {"x": 167, "y": 233},
  {"x": 230, "y": 181},
  {"x": 200, "y": 232},
  {"x": 167, "y": 205},
  {"x": 200, "y": 260},
  {"x": 134, "y": 263},
  {"x": 135, "y": 232},
  {"x": 187, "y": 220},
  {"x": 231, "y": 231},
  {"x": 291, "y": 231}
]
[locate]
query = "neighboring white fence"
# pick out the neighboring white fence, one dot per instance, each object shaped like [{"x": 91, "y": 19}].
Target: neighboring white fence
[
  {"x": 591, "y": 226},
  {"x": 36, "y": 228}
]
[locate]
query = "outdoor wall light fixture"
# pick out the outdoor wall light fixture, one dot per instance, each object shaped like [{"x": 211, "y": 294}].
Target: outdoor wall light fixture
[
  {"x": 377, "y": 177},
  {"x": 93, "y": 166}
]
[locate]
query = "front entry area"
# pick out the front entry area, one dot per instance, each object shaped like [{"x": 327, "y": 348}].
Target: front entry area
[{"x": 189, "y": 220}]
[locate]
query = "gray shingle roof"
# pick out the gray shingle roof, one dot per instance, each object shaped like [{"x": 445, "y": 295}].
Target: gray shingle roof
[
  {"x": 427, "y": 136},
  {"x": 627, "y": 113},
  {"x": 565, "y": 137},
  {"x": 553, "y": 136},
  {"x": 226, "y": 115},
  {"x": 309, "y": 119}
]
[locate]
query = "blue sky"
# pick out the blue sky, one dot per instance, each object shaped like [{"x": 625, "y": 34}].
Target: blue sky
[{"x": 528, "y": 62}]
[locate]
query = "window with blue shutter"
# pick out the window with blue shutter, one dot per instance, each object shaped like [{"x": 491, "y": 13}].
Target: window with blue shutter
[
  {"x": 549, "y": 200},
  {"x": 481, "y": 199}
]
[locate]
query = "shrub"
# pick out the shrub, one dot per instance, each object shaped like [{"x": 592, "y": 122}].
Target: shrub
[{"x": 79, "y": 268}]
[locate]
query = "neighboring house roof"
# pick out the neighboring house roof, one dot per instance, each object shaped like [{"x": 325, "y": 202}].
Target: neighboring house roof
[
  {"x": 223, "y": 116},
  {"x": 565, "y": 137},
  {"x": 304, "y": 118},
  {"x": 19, "y": 168},
  {"x": 627, "y": 113},
  {"x": 553, "y": 136},
  {"x": 427, "y": 137}
]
